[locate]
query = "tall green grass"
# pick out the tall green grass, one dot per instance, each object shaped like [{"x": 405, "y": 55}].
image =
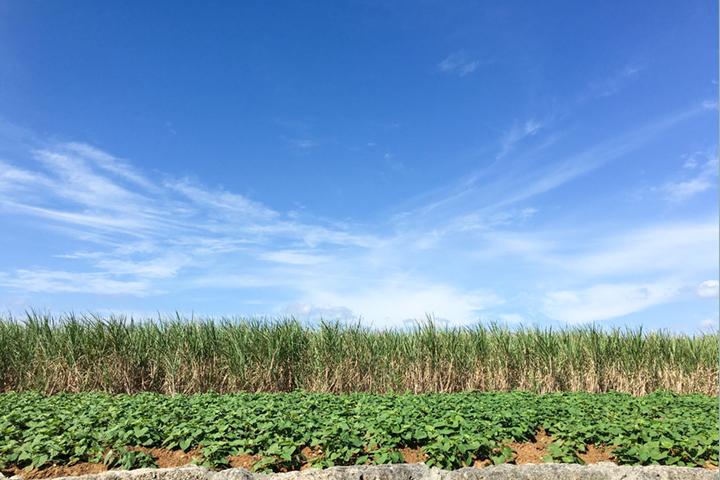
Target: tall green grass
[{"x": 115, "y": 354}]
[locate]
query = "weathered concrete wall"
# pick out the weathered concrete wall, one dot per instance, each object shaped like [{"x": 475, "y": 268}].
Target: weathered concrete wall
[{"x": 600, "y": 471}]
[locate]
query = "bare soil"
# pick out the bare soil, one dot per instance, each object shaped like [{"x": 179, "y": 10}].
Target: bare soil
[
  {"x": 413, "y": 455},
  {"x": 243, "y": 461},
  {"x": 531, "y": 452},
  {"x": 597, "y": 454},
  {"x": 80, "y": 468},
  {"x": 310, "y": 454},
  {"x": 170, "y": 458}
]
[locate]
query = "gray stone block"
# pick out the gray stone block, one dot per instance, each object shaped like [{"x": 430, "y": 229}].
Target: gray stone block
[{"x": 546, "y": 471}]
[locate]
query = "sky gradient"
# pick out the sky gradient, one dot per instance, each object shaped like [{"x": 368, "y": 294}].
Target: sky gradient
[{"x": 537, "y": 163}]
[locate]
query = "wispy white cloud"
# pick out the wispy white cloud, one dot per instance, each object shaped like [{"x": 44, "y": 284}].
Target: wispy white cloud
[
  {"x": 512, "y": 318},
  {"x": 293, "y": 257},
  {"x": 142, "y": 231},
  {"x": 709, "y": 289},
  {"x": 710, "y": 104},
  {"x": 681, "y": 247},
  {"x": 304, "y": 143},
  {"x": 128, "y": 225},
  {"x": 136, "y": 234},
  {"x": 77, "y": 182},
  {"x": 672, "y": 254},
  {"x": 13, "y": 178},
  {"x": 605, "y": 301},
  {"x": 220, "y": 200},
  {"x": 710, "y": 324},
  {"x": 516, "y": 134},
  {"x": 679, "y": 191},
  {"x": 309, "y": 312},
  {"x": 53, "y": 281},
  {"x": 164, "y": 266},
  {"x": 236, "y": 281},
  {"x": 703, "y": 168},
  {"x": 399, "y": 299},
  {"x": 459, "y": 63},
  {"x": 503, "y": 184},
  {"x": 109, "y": 163},
  {"x": 615, "y": 82}
]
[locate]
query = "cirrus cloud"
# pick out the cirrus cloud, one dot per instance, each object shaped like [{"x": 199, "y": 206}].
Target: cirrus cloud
[{"x": 708, "y": 289}]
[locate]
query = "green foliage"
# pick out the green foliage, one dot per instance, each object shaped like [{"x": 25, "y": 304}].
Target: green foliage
[{"x": 453, "y": 430}]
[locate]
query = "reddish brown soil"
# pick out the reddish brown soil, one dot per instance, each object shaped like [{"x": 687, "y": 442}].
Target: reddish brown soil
[
  {"x": 531, "y": 452},
  {"x": 170, "y": 458},
  {"x": 481, "y": 463},
  {"x": 243, "y": 461},
  {"x": 413, "y": 455},
  {"x": 80, "y": 468},
  {"x": 310, "y": 454},
  {"x": 164, "y": 458},
  {"x": 596, "y": 454}
]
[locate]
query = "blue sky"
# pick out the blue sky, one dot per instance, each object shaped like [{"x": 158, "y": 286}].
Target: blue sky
[{"x": 548, "y": 163}]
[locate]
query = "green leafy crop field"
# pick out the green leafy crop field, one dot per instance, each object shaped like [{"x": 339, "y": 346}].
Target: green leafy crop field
[{"x": 284, "y": 431}]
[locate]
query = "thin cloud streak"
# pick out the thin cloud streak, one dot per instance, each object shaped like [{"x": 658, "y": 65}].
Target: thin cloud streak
[
  {"x": 704, "y": 165},
  {"x": 458, "y": 63},
  {"x": 516, "y": 134},
  {"x": 605, "y": 301},
  {"x": 503, "y": 185}
]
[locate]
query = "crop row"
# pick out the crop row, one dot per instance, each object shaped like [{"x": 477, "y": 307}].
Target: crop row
[
  {"x": 117, "y": 355},
  {"x": 451, "y": 429}
]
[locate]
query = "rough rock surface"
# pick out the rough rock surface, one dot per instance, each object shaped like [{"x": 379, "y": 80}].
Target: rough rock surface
[{"x": 548, "y": 471}]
